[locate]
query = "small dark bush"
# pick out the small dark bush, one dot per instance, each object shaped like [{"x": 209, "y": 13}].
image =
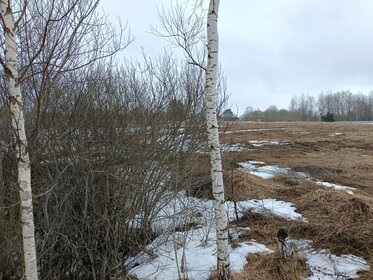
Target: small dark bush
[{"x": 328, "y": 117}]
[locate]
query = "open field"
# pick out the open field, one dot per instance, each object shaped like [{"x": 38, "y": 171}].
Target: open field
[
  {"x": 311, "y": 182},
  {"x": 338, "y": 220},
  {"x": 342, "y": 153},
  {"x": 308, "y": 181}
]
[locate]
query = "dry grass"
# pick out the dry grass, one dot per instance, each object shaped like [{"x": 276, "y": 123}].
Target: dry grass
[
  {"x": 273, "y": 267},
  {"x": 241, "y": 185},
  {"x": 338, "y": 221},
  {"x": 346, "y": 159}
]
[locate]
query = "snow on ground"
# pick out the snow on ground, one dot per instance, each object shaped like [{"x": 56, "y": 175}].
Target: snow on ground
[
  {"x": 326, "y": 266},
  {"x": 249, "y": 130},
  {"x": 263, "y": 171},
  {"x": 260, "y": 143},
  {"x": 335, "y": 134},
  {"x": 192, "y": 253},
  {"x": 198, "y": 246},
  {"x": 267, "y": 206},
  {"x": 254, "y": 143},
  {"x": 269, "y": 171},
  {"x": 225, "y": 148},
  {"x": 177, "y": 210},
  {"x": 335, "y": 186},
  {"x": 163, "y": 257}
]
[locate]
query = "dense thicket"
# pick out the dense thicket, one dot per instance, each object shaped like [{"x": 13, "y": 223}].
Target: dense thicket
[
  {"x": 107, "y": 142},
  {"x": 103, "y": 162}
]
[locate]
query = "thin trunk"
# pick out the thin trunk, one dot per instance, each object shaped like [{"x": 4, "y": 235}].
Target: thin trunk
[
  {"x": 2, "y": 193},
  {"x": 221, "y": 217},
  {"x": 18, "y": 125}
]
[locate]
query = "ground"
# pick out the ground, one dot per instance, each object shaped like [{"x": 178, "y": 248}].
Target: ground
[
  {"x": 339, "y": 153},
  {"x": 309, "y": 181}
]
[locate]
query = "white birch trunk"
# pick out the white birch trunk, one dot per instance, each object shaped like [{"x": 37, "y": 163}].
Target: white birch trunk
[
  {"x": 221, "y": 217},
  {"x": 18, "y": 124}
]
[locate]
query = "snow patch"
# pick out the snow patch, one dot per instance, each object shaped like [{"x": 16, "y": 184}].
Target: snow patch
[
  {"x": 162, "y": 258},
  {"x": 260, "y": 143},
  {"x": 267, "y": 206},
  {"x": 198, "y": 247},
  {"x": 261, "y": 170},
  {"x": 250, "y": 130},
  {"x": 334, "y": 134},
  {"x": 226, "y": 148},
  {"x": 335, "y": 186},
  {"x": 327, "y": 266},
  {"x": 265, "y": 172}
]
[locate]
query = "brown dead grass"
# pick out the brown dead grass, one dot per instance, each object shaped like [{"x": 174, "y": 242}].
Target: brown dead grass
[
  {"x": 338, "y": 221},
  {"x": 241, "y": 185},
  {"x": 346, "y": 159},
  {"x": 273, "y": 267}
]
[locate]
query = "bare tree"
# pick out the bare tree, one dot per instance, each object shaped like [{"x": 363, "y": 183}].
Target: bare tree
[
  {"x": 221, "y": 217},
  {"x": 185, "y": 30},
  {"x": 44, "y": 44},
  {"x": 18, "y": 124}
]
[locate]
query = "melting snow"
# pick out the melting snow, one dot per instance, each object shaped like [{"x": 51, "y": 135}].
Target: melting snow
[
  {"x": 258, "y": 168},
  {"x": 249, "y": 130},
  {"x": 162, "y": 258},
  {"x": 270, "y": 206},
  {"x": 199, "y": 249},
  {"x": 335, "y": 134},
  {"x": 196, "y": 248},
  {"x": 335, "y": 186},
  {"x": 326, "y": 266},
  {"x": 230, "y": 148},
  {"x": 259, "y": 143},
  {"x": 265, "y": 172}
]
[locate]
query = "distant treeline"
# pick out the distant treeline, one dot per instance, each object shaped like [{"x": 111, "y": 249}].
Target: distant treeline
[{"x": 344, "y": 106}]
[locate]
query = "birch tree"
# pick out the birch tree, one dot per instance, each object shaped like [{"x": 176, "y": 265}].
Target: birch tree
[
  {"x": 221, "y": 217},
  {"x": 18, "y": 124},
  {"x": 185, "y": 30}
]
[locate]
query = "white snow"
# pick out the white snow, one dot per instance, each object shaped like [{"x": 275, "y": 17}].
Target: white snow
[
  {"x": 199, "y": 248},
  {"x": 261, "y": 170},
  {"x": 249, "y": 130},
  {"x": 255, "y": 162},
  {"x": 196, "y": 248},
  {"x": 161, "y": 258},
  {"x": 181, "y": 209},
  {"x": 335, "y": 186},
  {"x": 267, "y": 206},
  {"x": 327, "y": 266},
  {"x": 335, "y": 134},
  {"x": 225, "y": 148},
  {"x": 259, "y": 143},
  {"x": 265, "y": 172}
]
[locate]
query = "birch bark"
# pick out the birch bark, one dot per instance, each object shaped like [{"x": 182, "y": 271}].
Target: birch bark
[
  {"x": 18, "y": 125},
  {"x": 221, "y": 217}
]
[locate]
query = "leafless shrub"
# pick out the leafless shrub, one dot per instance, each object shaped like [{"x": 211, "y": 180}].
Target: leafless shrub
[{"x": 108, "y": 159}]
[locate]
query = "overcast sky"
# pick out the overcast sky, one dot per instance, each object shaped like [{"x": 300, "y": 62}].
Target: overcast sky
[{"x": 273, "y": 49}]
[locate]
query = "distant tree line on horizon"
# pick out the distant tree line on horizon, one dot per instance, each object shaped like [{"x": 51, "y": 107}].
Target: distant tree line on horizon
[{"x": 342, "y": 106}]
